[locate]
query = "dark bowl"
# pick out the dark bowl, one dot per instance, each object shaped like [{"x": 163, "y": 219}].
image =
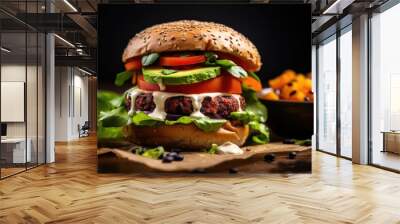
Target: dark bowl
[{"x": 288, "y": 119}]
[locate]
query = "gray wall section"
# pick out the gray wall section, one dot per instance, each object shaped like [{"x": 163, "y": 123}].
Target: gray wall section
[
  {"x": 360, "y": 90},
  {"x": 50, "y": 99},
  {"x": 71, "y": 102}
]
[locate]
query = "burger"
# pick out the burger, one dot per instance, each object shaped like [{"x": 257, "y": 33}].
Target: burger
[{"x": 192, "y": 85}]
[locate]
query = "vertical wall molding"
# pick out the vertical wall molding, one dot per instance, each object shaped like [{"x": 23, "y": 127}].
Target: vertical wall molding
[
  {"x": 360, "y": 90},
  {"x": 313, "y": 78},
  {"x": 60, "y": 96},
  {"x": 316, "y": 97},
  {"x": 92, "y": 101},
  {"x": 50, "y": 99},
  {"x": 338, "y": 95}
]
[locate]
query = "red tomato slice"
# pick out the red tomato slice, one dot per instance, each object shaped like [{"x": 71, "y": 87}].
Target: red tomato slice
[
  {"x": 178, "y": 61},
  {"x": 133, "y": 64},
  {"x": 142, "y": 84},
  {"x": 252, "y": 83},
  {"x": 237, "y": 60},
  {"x": 224, "y": 83}
]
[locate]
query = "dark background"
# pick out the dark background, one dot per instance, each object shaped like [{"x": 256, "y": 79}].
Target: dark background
[{"x": 281, "y": 33}]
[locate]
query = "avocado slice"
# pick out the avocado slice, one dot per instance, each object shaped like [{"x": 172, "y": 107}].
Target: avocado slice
[{"x": 156, "y": 75}]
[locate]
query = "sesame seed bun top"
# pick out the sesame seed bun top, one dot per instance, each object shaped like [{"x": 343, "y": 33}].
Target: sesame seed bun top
[{"x": 192, "y": 35}]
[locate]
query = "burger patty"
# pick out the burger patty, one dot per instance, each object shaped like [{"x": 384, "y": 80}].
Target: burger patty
[
  {"x": 144, "y": 102},
  {"x": 181, "y": 105},
  {"x": 217, "y": 107}
]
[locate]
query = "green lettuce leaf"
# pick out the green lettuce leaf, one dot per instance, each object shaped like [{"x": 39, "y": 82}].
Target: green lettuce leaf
[
  {"x": 205, "y": 124},
  {"x": 237, "y": 71},
  {"x": 118, "y": 102},
  {"x": 122, "y": 77},
  {"x": 259, "y": 109},
  {"x": 111, "y": 116},
  {"x": 107, "y": 100},
  {"x": 260, "y": 132},
  {"x": 110, "y": 134},
  {"x": 225, "y": 63},
  {"x": 254, "y": 75},
  {"x": 245, "y": 116},
  {"x": 114, "y": 118},
  {"x": 255, "y": 115},
  {"x": 210, "y": 58},
  {"x": 213, "y": 149},
  {"x": 142, "y": 119},
  {"x": 208, "y": 124},
  {"x": 149, "y": 59},
  {"x": 253, "y": 104},
  {"x": 181, "y": 120},
  {"x": 154, "y": 153}
]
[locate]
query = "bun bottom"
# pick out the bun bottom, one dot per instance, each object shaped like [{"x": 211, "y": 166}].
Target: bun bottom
[{"x": 186, "y": 136}]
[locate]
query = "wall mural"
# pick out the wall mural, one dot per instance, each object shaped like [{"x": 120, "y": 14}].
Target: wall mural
[{"x": 204, "y": 88}]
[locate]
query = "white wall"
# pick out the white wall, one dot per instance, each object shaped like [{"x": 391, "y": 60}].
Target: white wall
[
  {"x": 61, "y": 103},
  {"x": 15, "y": 72},
  {"x": 34, "y": 125},
  {"x": 80, "y": 110},
  {"x": 71, "y": 102}
]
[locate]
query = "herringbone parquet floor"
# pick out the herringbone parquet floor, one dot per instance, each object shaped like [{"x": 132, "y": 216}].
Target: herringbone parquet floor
[{"x": 70, "y": 191}]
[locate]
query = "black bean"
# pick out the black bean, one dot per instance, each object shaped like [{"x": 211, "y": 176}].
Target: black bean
[
  {"x": 178, "y": 157},
  {"x": 292, "y": 155},
  {"x": 269, "y": 158},
  {"x": 167, "y": 159},
  {"x": 172, "y": 154}
]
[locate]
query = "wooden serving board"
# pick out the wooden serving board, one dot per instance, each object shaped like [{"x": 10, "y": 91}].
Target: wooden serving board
[{"x": 252, "y": 160}]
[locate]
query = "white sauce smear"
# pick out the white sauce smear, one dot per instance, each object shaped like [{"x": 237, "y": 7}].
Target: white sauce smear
[
  {"x": 229, "y": 148},
  {"x": 160, "y": 97}
]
